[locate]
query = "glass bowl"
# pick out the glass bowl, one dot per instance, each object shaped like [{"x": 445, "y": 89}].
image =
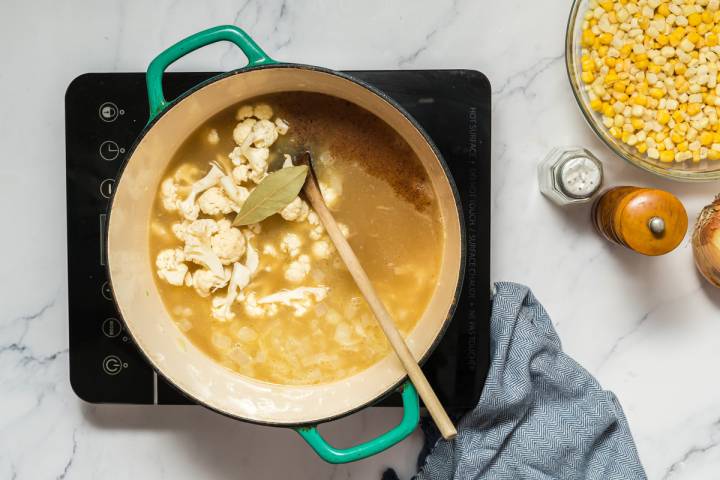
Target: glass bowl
[{"x": 705, "y": 170}]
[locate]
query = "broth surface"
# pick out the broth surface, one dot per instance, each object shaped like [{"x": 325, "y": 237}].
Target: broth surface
[{"x": 375, "y": 186}]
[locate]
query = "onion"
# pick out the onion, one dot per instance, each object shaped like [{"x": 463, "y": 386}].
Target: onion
[{"x": 706, "y": 242}]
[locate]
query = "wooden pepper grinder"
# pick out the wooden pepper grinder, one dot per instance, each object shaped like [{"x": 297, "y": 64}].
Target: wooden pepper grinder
[{"x": 648, "y": 221}]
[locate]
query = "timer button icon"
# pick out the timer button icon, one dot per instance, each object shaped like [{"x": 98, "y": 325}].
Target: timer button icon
[
  {"x": 110, "y": 150},
  {"x": 109, "y": 112}
]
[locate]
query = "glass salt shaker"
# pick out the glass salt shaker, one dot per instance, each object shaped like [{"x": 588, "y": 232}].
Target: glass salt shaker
[{"x": 570, "y": 175}]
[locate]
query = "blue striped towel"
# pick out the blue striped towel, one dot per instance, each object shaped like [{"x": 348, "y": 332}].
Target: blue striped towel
[{"x": 541, "y": 415}]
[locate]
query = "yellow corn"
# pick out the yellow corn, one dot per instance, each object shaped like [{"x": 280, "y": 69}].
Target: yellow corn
[
  {"x": 667, "y": 156},
  {"x": 630, "y": 79},
  {"x": 663, "y": 117}
]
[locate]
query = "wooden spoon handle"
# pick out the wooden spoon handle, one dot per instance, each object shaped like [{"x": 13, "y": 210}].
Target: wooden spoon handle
[{"x": 430, "y": 399}]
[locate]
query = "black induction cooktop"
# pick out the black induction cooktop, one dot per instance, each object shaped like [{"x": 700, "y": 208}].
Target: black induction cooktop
[{"x": 105, "y": 112}]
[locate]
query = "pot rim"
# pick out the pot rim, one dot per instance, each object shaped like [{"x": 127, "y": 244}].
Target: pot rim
[{"x": 443, "y": 165}]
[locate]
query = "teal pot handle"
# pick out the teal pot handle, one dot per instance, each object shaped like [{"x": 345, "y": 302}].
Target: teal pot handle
[
  {"x": 411, "y": 416},
  {"x": 229, "y": 33}
]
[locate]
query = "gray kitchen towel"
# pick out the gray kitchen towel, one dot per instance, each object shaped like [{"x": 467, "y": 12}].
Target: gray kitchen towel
[{"x": 540, "y": 415}]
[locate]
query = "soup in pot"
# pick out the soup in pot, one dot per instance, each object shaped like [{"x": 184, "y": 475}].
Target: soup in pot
[{"x": 273, "y": 300}]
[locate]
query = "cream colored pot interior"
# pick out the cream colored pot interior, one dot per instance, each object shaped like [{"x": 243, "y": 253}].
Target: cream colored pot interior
[{"x": 144, "y": 313}]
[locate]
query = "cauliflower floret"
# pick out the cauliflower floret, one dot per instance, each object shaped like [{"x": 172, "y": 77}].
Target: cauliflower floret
[
  {"x": 228, "y": 245},
  {"x": 237, "y": 157},
  {"x": 300, "y": 299},
  {"x": 197, "y": 231},
  {"x": 322, "y": 249},
  {"x": 214, "y": 202},
  {"x": 168, "y": 191},
  {"x": 330, "y": 195},
  {"x": 244, "y": 112},
  {"x": 286, "y": 297},
  {"x": 252, "y": 308},
  {"x": 241, "y": 173},
  {"x": 203, "y": 255},
  {"x": 263, "y": 111},
  {"x": 281, "y": 126},
  {"x": 223, "y": 224},
  {"x": 257, "y": 158},
  {"x": 269, "y": 249},
  {"x": 295, "y": 211},
  {"x": 186, "y": 174},
  {"x": 298, "y": 269},
  {"x": 291, "y": 244},
  {"x": 213, "y": 138},
  {"x": 188, "y": 207},
  {"x": 264, "y": 133},
  {"x": 258, "y": 176},
  {"x": 252, "y": 259},
  {"x": 171, "y": 267},
  {"x": 237, "y": 194},
  {"x": 205, "y": 282},
  {"x": 222, "y": 306},
  {"x": 243, "y": 130},
  {"x": 317, "y": 229}
]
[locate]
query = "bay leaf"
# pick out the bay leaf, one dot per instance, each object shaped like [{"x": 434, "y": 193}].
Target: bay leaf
[{"x": 272, "y": 194}]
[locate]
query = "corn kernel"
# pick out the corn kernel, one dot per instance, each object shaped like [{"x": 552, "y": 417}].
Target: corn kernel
[
  {"x": 596, "y": 104},
  {"x": 694, "y": 19},
  {"x": 640, "y": 100},
  {"x": 605, "y": 39},
  {"x": 667, "y": 156},
  {"x": 663, "y": 117},
  {"x": 713, "y": 154},
  {"x": 706, "y": 138},
  {"x": 642, "y": 147},
  {"x": 682, "y": 146},
  {"x": 694, "y": 108},
  {"x": 656, "y": 93},
  {"x": 588, "y": 38},
  {"x": 587, "y": 77},
  {"x": 637, "y": 123}
]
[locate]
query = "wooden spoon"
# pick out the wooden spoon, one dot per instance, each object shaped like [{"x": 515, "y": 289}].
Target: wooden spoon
[{"x": 430, "y": 399}]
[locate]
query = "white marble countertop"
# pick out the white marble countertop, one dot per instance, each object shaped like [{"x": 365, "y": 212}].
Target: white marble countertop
[{"x": 646, "y": 327}]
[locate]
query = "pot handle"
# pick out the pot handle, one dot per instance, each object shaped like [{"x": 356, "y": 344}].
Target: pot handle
[
  {"x": 411, "y": 416},
  {"x": 229, "y": 33}
]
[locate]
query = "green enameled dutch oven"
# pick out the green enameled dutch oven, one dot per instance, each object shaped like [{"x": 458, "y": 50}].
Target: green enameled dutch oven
[{"x": 168, "y": 351}]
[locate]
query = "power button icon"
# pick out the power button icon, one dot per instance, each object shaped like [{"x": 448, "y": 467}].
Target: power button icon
[
  {"x": 112, "y": 365},
  {"x": 109, "y": 112}
]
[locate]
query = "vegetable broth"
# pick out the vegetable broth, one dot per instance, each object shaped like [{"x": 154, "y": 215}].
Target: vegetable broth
[{"x": 383, "y": 196}]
